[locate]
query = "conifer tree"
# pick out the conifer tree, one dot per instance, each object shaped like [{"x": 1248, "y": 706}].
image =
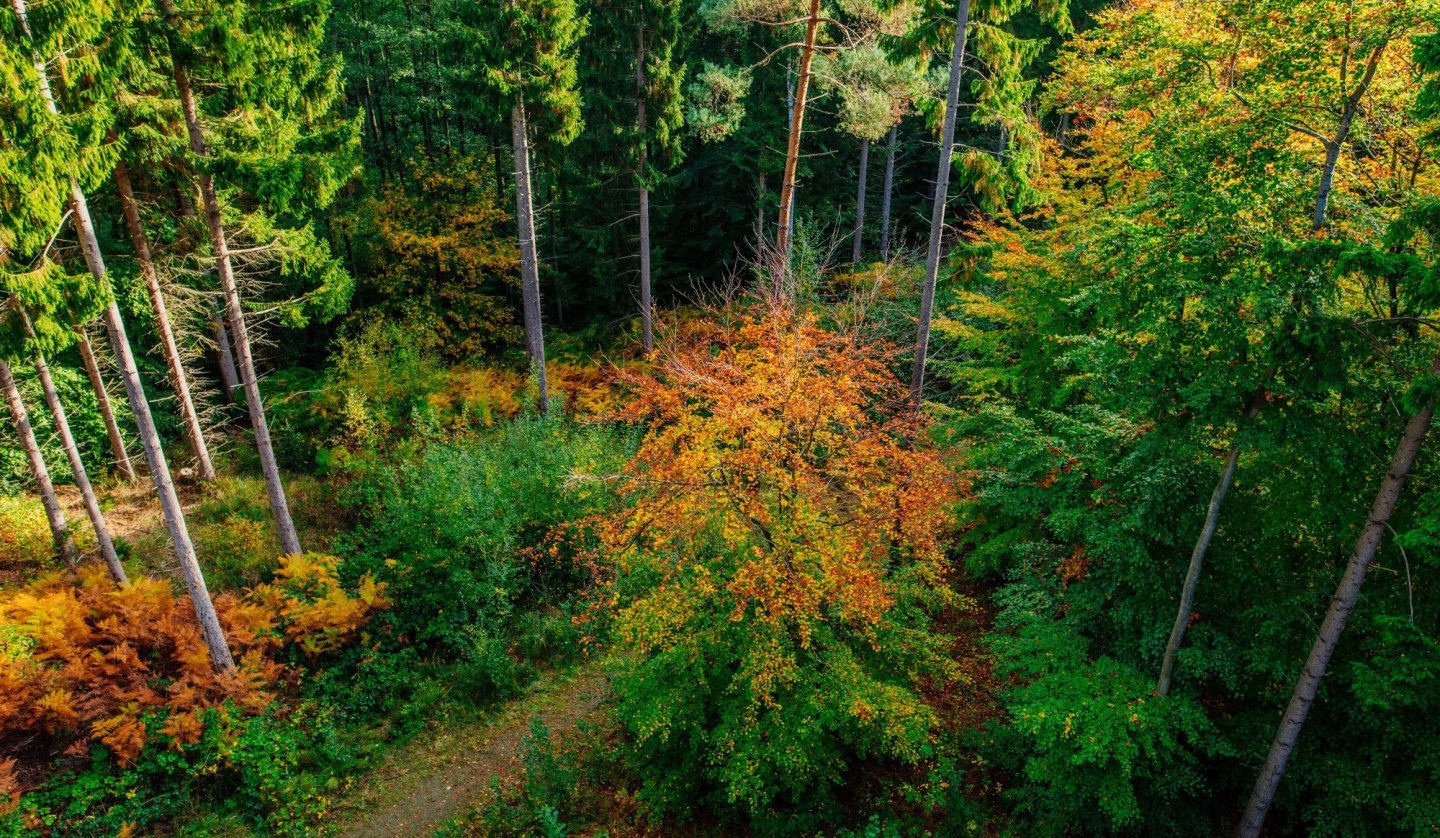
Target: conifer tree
[
  {"x": 54, "y": 515},
  {"x": 69, "y": 154},
  {"x": 644, "y": 114},
  {"x": 265, "y": 63},
  {"x": 91, "y": 363},
  {"x": 1001, "y": 92},
  {"x": 522, "y": 59}
]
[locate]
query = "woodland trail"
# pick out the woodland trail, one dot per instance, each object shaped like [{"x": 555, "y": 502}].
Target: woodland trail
[{"x": 426, "y": 783}]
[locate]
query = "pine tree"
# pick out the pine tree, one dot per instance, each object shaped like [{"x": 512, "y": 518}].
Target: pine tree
[{"x": 1001, "y": 94}]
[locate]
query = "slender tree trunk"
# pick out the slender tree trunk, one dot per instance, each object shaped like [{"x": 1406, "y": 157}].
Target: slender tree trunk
[
  {"x": 647, "y": 324},
  {"x": 205, "y": 614},
  {"x": 792, "y": 148},
  {"x": 77, "y": 465},
  {"x": 937, "y": 213},
  {"x": 529, "y": 265},
  {"x": 229, "y": 376},
  {"x": 107, "y": 410},
  {"x": 235, "y": 314},
  {"x": 59, "y": 531},
  {"x": 889, "y": 189},
  {"x": 856, "y": 248},
  {"x": 1202, "y": 546},
  {"x": 178, "y": 378},
  {"x": 1328, "y": 637}
]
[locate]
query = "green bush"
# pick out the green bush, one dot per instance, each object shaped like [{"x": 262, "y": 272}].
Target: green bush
[{"x": 460, "y": 534}]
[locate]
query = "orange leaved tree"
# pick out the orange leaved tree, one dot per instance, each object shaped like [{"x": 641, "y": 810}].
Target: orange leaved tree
[{"x": 773, "y": 575}]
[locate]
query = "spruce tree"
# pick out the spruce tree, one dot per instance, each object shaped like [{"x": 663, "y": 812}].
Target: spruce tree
[
  {"x": 70, "y": 157},
  {"x": 521, "y": 56},
  {"x": 641, "y": 115}
]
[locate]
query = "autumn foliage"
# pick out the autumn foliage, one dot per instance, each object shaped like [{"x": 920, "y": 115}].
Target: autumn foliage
[
  {"x": 774, "y": 571},
  {"x": 83, "y": 660}
]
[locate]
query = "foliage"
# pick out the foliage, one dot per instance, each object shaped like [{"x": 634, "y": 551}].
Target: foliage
[
  {"x": 773, "y": 575},
  {"x": 459, "y": 534},
  {"x": 441, "y": 261},
  {"x": 25, "y": 537},
  {"x": 86, "y": 661}
]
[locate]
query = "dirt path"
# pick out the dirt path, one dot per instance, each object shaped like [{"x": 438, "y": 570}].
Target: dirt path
[{"x": 434, "y": 779}]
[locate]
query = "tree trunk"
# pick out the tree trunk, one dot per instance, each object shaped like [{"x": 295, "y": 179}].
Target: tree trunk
[
  {"x": 1338, "y": 613},
  {"x": 792, "y": 148},
  {"x": 856, "y": 248},
  {"x": 205, "y": 614},
  {"x": 235, "y": 315},
  {"x": 77, "y": 467},
  {"x": 1342, "y": 132},
  {"x": 178, "y": 379},
  {"x": 647, "y": 325},
  {"x": 229, "y": 377},
  {"x": 529, "y": 265},
  {"x": 885, "y": 196},
  {"x": 937, "y": 213},
  {"x": 107, "y": 410},
  {"x": 1202, "y": 545},
  {"x": 59, "y": 532}
]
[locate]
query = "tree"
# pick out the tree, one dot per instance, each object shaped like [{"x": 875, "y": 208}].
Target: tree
[
  {"x": 38, "y": 295},
  {"x": 54, "y": 515},
  {"x": 1002, "y": 93},
  {"x": 264, "y": 62},
  {"x": 776, "y": 570},
  {"x": 523, "y": 58},
  {"x": 648, "y": 136},
  {"x": 76, "y": 157}
]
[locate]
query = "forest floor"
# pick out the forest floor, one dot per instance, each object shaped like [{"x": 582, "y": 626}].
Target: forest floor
[{"x": 423, "y": 784}]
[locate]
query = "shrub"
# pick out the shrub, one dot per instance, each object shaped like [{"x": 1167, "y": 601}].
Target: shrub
[
  {"x": 457, "y": 532},
  {"x": 774, "y": 573}
]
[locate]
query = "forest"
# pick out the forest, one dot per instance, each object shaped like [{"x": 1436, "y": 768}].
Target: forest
[{"x": 844, "y": 418}]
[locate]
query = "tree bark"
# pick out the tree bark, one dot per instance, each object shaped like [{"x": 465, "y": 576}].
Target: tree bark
[
  {"x": 107, "y": 410},
  {"x": 205, "y": 615},
  {"x": 235, "y": 313},
  {"x": 1202, "y": 546},
  {"x": 858, "y": 245},
  {"x": 647, "y": 325},
  {"x": 1342, "y": 132},
  {"x": 529, "y": 264},
  {"x": 59, "y": 531},
  {"x": 885, "y": 195},
  {"x": 1328, "y": 637},
  {"x": 194, "y": 434},
  {"x": 229, "y": 377},
  {"x": 937, "y": 213},
  {"x": 77, "y": 467},
  {"x": 792, "y": 148}
]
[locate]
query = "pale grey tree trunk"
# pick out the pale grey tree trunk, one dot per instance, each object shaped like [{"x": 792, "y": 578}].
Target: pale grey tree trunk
[
  {"x": 1202, "y": 545},
  {"x": 937, "y": 213},
  {"x": 792, "y": 146},
  {"x": 858, "y": 246},
  {"x": 890, "y": 150},
  {"x": 529, "y": 263},
  {"x": 229, "y": 377},
  {"x": 107, "y": 410},
  {"x": 647, "y": 324},
  {"x": 1328, "y": 637},
  {"x": 59, "y": 531},
  {"x": 205, "y": 615},
  {"x": 194, "y": 434},
  {"x": 77, "y": 465},
  {"x": 235, "y": 315}
]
